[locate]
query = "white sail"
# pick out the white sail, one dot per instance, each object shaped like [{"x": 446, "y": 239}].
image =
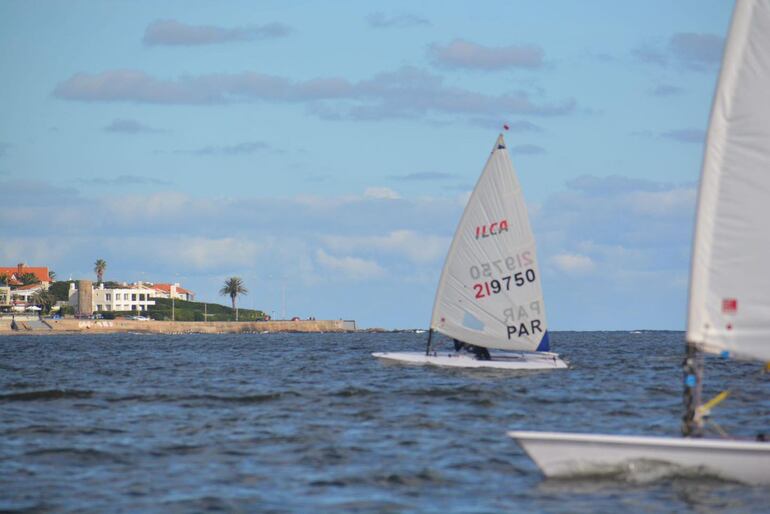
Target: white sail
[
  {"x": 729, "y": 307},
  {"x": 489, "y": 293}
]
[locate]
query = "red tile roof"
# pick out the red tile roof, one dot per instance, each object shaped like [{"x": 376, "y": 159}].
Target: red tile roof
[
  {"x": 166, "y": 288},
  {"x": 41, "y": 273}
]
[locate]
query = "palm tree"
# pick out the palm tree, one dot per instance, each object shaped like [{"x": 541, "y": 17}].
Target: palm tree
[
  {"x": 232, "y": 288},
  {"x": 99, "y": 266},
  {"x": 44, "y": 299}
]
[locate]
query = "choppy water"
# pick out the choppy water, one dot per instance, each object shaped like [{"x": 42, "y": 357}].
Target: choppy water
[{"x": 312, "y": 423}]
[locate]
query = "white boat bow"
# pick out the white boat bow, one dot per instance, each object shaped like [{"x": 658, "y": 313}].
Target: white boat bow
[{"x": 560, "y": 454}]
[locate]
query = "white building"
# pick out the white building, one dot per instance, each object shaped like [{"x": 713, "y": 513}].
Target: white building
[
  {"x": 22, "y": 295},
  {"x": 5, "y": 296},
  {"x": 125, "y": 298}
]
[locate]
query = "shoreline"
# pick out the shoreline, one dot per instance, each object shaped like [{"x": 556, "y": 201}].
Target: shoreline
[{"x": 79, "y": 326}]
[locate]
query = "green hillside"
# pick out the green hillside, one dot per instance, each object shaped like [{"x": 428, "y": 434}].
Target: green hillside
[{"x": 194, "y": 311}]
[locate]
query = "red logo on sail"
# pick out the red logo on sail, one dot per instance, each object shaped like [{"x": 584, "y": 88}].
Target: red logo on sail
[
  {"x": 729, "y": 306},
  {"x": 492, "y": 229}
]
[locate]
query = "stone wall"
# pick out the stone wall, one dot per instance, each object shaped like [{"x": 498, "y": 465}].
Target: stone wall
[{"x": 195, "y": 327}]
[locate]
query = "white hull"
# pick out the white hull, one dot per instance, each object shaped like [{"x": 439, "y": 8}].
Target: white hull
[
  {"x": 508, "y": 360},
  {"x": 562, "y": 455}
]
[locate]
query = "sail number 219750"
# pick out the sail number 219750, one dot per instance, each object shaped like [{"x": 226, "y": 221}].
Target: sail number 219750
[
  {"x": 496, "y": 286},
  {"x": 500, "y": 266}
]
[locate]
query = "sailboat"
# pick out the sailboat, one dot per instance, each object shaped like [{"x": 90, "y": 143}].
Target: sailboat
[
  {"x": 729, "y": 297},
  {"x": 489, "y": 294}
]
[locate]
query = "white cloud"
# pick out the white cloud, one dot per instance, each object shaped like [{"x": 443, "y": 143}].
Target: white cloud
[
  {"x": 36, "y": 251},
  {"x": 384, "y": 193},
  {"x": 573, "y": 263},
  {"x": 699, "y": 52},
  {"x": 352, "y": 267},
  {"x": 663, "y": 203},
  {"x": 615, "y": 250},
  {"x": 416, "y": 246},
  {"x": 124, "y": 180},
  {"x": 466, "y": 54},
  {"x": 665, "y": 90},
  {"x": 612, "y": 185},
  {"x": 689, "y": 135},
  {"x": 528, "y": 150},
  {"x": 427, "y": 176},
  {"x": 379, "y": 20},
  {"x": 172, "y": 32},
  {"x": 405, "y": 93},
  {"x": 245, "y": 148},
  {"x": 200, "y": 253},
  {"x": 163, "y": 206},
  {"x": 126, "y": 126}
]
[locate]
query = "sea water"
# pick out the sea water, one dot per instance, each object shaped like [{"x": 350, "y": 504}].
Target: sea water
[{"x": 313, "y": 423}]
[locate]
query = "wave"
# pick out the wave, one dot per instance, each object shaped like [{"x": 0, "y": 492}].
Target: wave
[
  {"x": 421, "y": 478},
  {"x": 60, "y": 430},
  {"x": 170, "y": 398},
  {"x": 45, "y": 394},
  {"x": 76, "y": 455},
  {"x": 348, "y": 392},
  {"x": 637, "y": 471}
]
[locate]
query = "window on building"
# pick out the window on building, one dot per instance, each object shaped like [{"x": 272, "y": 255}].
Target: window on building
[
  {"x": 133, "y": 307},
  {"x": 133, "y": 297},
  {"x": 98, "y": 307},
  {"x": 125, "y": 296},
  {"x": 141, "y": 297},
  {"x": 108, "y": 296}
]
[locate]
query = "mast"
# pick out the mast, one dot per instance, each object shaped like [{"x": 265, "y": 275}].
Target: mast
[{"x": 692, "y": 424}]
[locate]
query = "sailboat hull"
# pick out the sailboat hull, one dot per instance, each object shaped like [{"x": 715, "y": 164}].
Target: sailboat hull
[
  {"x": 560, "y": 454},
  {"x": 508, "y": 360}
]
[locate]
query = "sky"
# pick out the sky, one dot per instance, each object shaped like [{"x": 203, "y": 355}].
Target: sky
[{"x": 324, "y": 151}]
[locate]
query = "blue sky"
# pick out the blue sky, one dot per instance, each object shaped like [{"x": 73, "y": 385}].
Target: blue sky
[{"x": 326, "y": 149}]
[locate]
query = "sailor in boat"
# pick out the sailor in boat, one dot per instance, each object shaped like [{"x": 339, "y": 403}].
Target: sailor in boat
[{"x": 480, "y": 352}]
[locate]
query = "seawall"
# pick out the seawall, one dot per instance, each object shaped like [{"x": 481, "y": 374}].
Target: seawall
[{"x": 181, "y": 327}]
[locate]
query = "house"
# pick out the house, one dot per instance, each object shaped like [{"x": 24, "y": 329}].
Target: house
[
  {"x": 14, "y": 274},
  {"x": 24, "y": 294},
  {"x": 15, "y": 293},
  {"x": 175, "y": 290}
]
